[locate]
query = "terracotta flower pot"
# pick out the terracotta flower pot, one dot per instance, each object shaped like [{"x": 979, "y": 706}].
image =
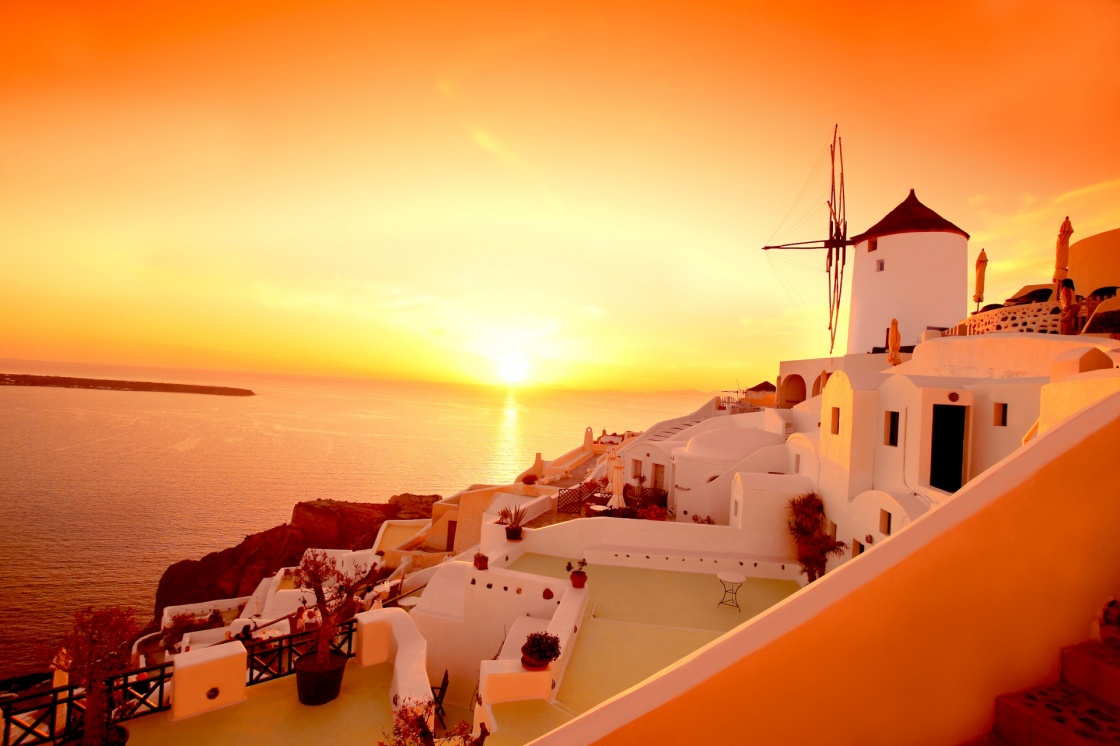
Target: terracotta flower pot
[
  {"x": 482, "y": 563},
  {"x": 579, "y": 579},
  {"x": 533, "y": 664}
]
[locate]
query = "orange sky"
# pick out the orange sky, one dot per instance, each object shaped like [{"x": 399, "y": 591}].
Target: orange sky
[{"x": 573, "y": 191}]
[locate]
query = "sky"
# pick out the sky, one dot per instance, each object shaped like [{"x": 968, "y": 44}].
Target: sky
[{"x": 565, "y": 194}]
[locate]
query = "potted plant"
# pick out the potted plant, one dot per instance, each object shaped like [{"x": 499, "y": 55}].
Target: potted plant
[
  {"x": 319, "y": 672},
  {"x": 577, "y": 574},
  {"x": 540, "y": 649},
  {"x": 97, "y": 646},
  {"x": 512, "y": 518},
  {"x": 412, "y": 726},
  {"x": 806, "y": 525},
  {"x": 641, "y": 480},
  {"x": 529, "y": 479},
  {"x": 481, "y": 561}
]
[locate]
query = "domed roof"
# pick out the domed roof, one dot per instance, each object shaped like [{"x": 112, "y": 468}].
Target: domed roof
[
  {"x": 730, "y": 443},
  {"x": 911, "y": 216}
]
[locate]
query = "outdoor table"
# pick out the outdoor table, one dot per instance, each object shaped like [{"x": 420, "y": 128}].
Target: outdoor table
[{"x": 731, "y": 583}]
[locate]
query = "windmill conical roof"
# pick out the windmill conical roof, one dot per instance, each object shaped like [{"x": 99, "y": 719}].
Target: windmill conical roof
[{"x": 911, "y": 216}]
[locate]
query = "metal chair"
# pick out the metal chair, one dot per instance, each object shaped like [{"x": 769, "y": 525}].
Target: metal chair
[{"x": 438, "y": 693}]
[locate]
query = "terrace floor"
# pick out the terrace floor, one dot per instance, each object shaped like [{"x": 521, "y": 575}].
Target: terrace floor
[
  {"x": 639, "y": 622},
  {"x": 272, "y": 714}
]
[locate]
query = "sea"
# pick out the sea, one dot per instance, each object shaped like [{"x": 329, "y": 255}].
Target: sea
[{"x": 100, "y": 491}]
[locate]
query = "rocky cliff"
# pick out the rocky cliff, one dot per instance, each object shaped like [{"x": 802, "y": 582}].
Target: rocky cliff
[{"x": 323, "y": 524}]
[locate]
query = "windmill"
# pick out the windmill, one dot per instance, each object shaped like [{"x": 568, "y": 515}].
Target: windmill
[{"x": 837, "y": 242}]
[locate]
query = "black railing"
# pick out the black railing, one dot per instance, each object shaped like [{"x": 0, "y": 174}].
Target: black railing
[
  {"x": 43, "y": 717},
  {"x": 274, "y": 657},
  {"x": 141, "y": 692},
  {"x": 59, "y": 713}
]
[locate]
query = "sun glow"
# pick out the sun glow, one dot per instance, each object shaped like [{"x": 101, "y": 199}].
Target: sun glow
[{"x": 512, "y": 369}]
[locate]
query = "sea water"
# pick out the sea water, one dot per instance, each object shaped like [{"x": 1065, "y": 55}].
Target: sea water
[{"x": 101, "y": 490}]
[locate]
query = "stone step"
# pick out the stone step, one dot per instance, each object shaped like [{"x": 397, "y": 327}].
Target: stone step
[
  {"x": 1056, "y": 715},
  {"x": 1094, "y": 667}
]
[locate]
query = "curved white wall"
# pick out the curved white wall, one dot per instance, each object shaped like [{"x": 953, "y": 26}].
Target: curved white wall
[{"x": 924, "y": 282}]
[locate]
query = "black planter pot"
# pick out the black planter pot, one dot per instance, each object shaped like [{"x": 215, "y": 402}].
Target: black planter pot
[
  {"x": 513, "y": 533},
  {"x": 318, "y": 686}
]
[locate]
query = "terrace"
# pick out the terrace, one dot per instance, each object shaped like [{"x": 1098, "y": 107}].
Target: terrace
[
  {"x": 272, "y": 714},
  {"x": 638, "y": 622}
]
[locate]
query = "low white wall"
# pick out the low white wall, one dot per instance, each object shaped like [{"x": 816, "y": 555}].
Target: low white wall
[
  {"x": 465, "y": 615},
  {"x": 506, "y": 680},
  {"x": 390, "y": 635},
  {"x": 217, "y": 671},
  {"x": 661, "y": 545},
  {"x": 202, "y": 609}
]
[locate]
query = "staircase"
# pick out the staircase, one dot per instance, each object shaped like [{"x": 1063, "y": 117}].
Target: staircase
[{"x": 1082, "y": 708}]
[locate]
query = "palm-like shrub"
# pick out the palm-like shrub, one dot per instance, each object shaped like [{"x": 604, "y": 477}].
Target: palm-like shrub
[{"x": 806, "y": 525}]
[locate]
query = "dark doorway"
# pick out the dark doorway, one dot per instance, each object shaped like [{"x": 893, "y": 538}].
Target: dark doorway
[
  {"x": 946, "y": 460},
  {"x": 452, "y": 526}
]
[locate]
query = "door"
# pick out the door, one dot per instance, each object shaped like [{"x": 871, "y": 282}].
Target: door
[
  {"x": 659, "y": 476},
  {"x": 946, "y": 459}
]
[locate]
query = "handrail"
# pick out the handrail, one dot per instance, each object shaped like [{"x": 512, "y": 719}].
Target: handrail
[
  {"x": 275, "y": 657},
  {"x": 140, "y": 692},
  {"x": 58, "y": 713},
  {"x": 42, "y": 710}
]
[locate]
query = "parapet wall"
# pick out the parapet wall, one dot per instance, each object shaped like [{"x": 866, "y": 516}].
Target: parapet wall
[{"x": 1029, "y": 317}]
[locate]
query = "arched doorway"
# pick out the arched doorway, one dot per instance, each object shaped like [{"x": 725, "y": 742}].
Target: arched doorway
[{"x": 793, "y": 391}]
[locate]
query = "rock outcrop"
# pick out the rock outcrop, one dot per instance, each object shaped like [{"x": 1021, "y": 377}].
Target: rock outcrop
[{"x": 323, "y": 524}]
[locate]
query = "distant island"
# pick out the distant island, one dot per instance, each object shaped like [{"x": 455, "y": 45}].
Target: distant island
[{"x": 10, "y": 379}]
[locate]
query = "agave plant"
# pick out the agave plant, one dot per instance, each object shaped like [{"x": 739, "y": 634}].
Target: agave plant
[{"x": 512, "y": 517}]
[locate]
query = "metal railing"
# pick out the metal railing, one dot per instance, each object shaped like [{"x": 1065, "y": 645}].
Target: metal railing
[
  {"x": 59, "y": 713},
  {"x": 43, "y": 717},
  {"x": 144, "y": 691},
  {"x": 275, "y": 657}
]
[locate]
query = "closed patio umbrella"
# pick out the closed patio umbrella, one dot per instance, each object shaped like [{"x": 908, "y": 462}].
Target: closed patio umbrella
[
  {"x": 1061, "y": 255},
  {"x": 894, "y": 344},
  {"x": 617, "y": 480},
  {"x": 981, "y": 269}
]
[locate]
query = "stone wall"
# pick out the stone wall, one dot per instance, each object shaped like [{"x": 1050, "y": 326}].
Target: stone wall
[{"x": 1029, "y": 317}]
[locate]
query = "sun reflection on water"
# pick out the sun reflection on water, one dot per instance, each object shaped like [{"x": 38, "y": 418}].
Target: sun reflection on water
[{"x": 507, "y": 444}]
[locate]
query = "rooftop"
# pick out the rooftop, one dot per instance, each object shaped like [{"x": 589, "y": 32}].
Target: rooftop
[{"x": 911, "y": 216}]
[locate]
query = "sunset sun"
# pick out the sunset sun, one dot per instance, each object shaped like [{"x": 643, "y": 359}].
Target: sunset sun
[{"x": 512, "y": 369}]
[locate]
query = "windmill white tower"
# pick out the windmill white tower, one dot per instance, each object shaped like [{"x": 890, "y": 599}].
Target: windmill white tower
[{"x": 912, "y": 266}]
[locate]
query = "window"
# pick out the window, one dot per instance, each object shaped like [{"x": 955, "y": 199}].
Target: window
[
  {"x": 872, "y": 244},
  {"x": 797, "y": 463},
  {"x": 829, "y": 528},
  {"x": 836, "y": 420},
  {"x": 857, "y": 548},
  {"x": 880, "y": 265},
  {"x": 999, "y": 418},
  {"x": 884, "y": 523},
  {"x": 890, "y": 428},
  {"x": 635, "y": 468}
]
